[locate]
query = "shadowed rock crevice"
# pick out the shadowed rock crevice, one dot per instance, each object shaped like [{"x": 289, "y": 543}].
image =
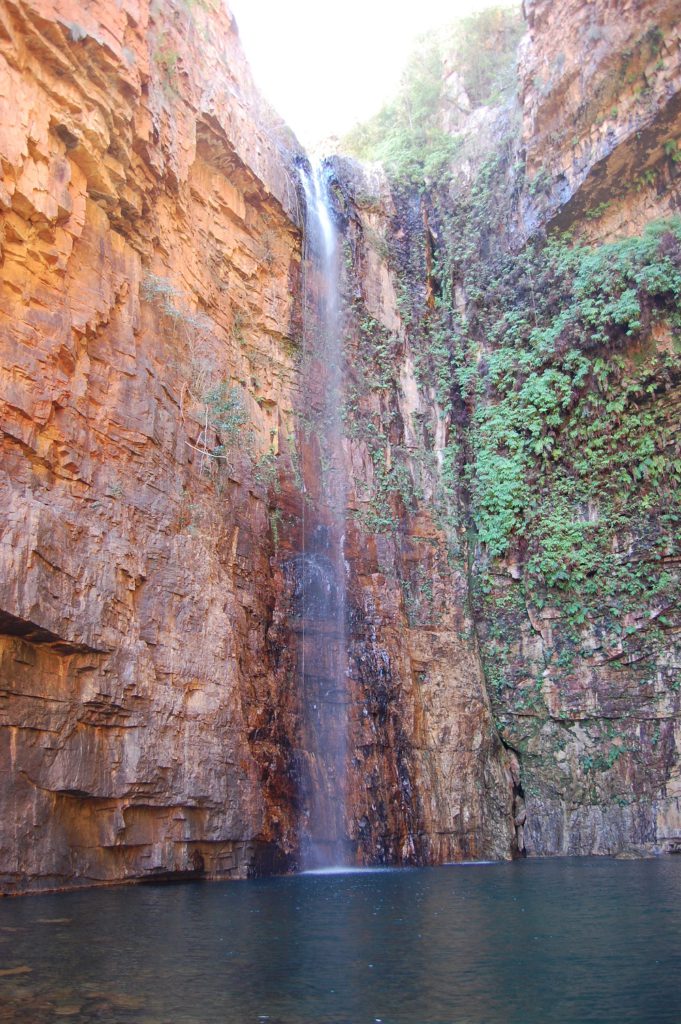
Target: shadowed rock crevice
[{"x": 11, "y": 625}]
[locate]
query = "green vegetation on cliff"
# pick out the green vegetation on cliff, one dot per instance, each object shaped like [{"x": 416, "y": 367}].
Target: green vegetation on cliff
[
  {"x": 561, "y": 372},
  {"x": 575, "y": 461},
  {"x": 554, "y": 367},
  {"x": 545, "y": 445},
  {"x": 522, "y": 426},
  {"x": 567, "y": 411},
  {"x": 471, "y": 60}
]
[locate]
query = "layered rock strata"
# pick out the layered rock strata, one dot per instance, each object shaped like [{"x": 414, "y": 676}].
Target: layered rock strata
[{"x": 151, "y": 255}]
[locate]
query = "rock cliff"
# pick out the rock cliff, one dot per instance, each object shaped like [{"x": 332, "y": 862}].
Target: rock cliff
[
  {"x": 510, "y": 449},
  {"x": 585, "y": 623},
  {"x": 151, "y": 254},
  {"x": 539, "y": 279}
]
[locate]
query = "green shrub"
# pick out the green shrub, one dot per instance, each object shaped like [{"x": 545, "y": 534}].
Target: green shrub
[{"x": 407, "y": 136}]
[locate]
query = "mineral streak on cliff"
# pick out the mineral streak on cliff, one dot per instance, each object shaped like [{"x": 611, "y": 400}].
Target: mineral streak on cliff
[{"x": 161, "y": 476}]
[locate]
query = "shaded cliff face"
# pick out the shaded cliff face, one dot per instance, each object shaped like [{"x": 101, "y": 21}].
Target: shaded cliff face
[
  {"x": 600, "y": 114},
  {"x": 544, "y": 415},
  {"x": 584, "y": 626}
]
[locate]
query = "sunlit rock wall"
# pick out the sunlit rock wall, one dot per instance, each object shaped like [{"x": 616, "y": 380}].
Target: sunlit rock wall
[{"x": 150, "y": 260}]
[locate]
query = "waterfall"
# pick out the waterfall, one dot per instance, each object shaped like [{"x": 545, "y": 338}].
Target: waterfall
[{"x": 321, "y": 567}]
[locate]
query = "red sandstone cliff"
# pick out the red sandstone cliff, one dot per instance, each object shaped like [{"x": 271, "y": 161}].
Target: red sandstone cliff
[
  {"x": 151, "y": 291},
  {"x": 150, "y": 252}
]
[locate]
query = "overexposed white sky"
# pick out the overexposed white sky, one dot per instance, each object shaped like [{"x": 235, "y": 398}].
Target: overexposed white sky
[{"x": 325, "y": 65}]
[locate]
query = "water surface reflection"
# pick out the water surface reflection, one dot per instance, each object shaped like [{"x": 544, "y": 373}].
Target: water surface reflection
[{"x": 572, "y": 941}]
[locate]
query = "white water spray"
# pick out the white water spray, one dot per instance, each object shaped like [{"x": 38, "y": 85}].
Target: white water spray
[{"x": 322, "y": 569}]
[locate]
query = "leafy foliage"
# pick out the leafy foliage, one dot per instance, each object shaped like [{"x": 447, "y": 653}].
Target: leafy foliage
[
  {"x": 567, "y": 412},
  {"x": 561, "y": 454},
  {"x": 409, "y": 135}
]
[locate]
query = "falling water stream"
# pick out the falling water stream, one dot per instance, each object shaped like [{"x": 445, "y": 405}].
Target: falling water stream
[{"x": 321, "y": 571}]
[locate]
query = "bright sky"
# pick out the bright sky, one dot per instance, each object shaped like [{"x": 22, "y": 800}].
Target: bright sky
[{"x": 326, "y": 64}]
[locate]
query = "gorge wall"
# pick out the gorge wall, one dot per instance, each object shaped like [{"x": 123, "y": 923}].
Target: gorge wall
[
  {"x": 160, "y": 401},
  {"x": 151, "y": 258}
]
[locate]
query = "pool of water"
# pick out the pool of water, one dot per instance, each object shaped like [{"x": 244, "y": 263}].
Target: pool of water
[{"x": 572, "y": 941}]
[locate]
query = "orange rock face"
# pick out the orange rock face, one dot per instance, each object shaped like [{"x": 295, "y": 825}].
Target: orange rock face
[
  {"x": 151, "y": 485},
  {"x": 150, "y": 259}
]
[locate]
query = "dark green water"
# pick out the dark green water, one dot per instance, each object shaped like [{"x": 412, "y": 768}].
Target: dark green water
[{"x": 534, "y": 942}]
